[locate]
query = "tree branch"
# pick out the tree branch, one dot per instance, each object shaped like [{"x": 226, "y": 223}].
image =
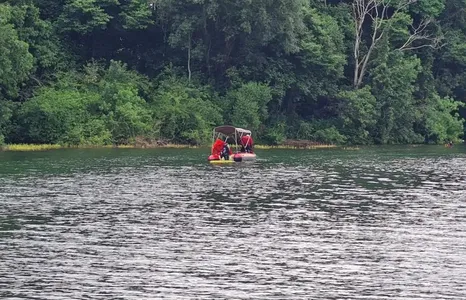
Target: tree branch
[
  {"x": 419, "y": 34},
  {"x": 378, "y": 11}
]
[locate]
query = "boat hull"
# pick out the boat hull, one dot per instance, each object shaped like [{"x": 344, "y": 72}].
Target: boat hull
[
  {"x": 237, "y": 157},
  {"x": 240, "y": 157},
  {"x": 216, "y": 159},
  {"x": 222, "y": 162}
]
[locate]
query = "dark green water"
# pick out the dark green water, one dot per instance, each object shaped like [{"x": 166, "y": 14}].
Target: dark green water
[{"x": 378, "y": 223}]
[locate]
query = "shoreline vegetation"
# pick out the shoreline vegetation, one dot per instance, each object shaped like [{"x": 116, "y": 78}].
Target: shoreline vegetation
[
  {"x": 291, "y": 144},
  {"x": 295, "y": 145},
  {"x": 100, "y": 72}
]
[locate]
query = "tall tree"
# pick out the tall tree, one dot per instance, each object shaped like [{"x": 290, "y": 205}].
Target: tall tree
[
  {"x": 16, "y": 62},
  {"x": 382, "y": 18}
]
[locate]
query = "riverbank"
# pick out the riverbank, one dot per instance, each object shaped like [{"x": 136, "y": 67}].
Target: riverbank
[{"x": 46, "y": 147}]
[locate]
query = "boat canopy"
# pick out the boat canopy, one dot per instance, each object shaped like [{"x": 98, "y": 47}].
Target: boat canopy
[{"x": 231, "y": 131}]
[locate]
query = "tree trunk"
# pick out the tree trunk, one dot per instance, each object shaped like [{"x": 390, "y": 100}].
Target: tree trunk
[
  {"x": 189, "y": 57},
  {"x": 378, "y": 11}
]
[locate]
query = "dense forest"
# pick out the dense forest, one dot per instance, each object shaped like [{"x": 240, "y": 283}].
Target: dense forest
[{"x": 97, "y": 72}]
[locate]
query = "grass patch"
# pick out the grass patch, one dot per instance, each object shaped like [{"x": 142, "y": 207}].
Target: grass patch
[
  {"x": 31, "y": 147},
  {"x": 177, "y": 146},
  {"x": 45, "y": 147},
  {"x": 351, "y": 148},
  {"x": 309, "y": 147}
]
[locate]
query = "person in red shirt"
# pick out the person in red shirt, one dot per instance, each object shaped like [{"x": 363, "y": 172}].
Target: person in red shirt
[
  {"x": 217, "y": 147},
  {"x": 247, "y": 143}
]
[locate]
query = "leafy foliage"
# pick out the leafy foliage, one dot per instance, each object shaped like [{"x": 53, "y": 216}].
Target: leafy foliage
[
  {"x": 109, "y": 71},
  {"x": 393, "y": 86},
  {"x": 5, "y": 116},
  {"x": 100, "y": 107},
  {"x": 55, "y": 116},
  {"x": 84, "y": 16},
  {"x": 184, "y": 113},
  {"x": 247, "y": 105},
  {"x": 358, "y": 115},
  {"x": 16, "y": 62},
  {"x": 442, "y": 125}
]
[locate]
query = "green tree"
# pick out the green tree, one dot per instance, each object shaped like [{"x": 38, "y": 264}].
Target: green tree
[
  {"x": 184, "y": 112},
  {"x": 358, "y": 115},
  {"x": 388, "y": 20},
  {"x": 5, "y": 116},
  {"x": 125, "y": 111},
  {"x": 39, "y": 35},
  {"x": 84, "y": 16},
  {"x": 97, "y": 106},
  {"x": 393, "y": 86},
  {"x": 359, "y": 71},
  {"x": 311, "y": 76},
  {"x": 16, "y": 62},
  {"x": 55, "y": 116},
  {"x": 247, "y": 105},
  {"x": 442, "y": 120}
]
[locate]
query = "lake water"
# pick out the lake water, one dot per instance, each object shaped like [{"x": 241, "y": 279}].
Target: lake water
[{"x": 377, "y": 223}]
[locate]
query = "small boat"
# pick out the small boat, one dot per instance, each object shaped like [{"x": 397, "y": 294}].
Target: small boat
[{"x": 232, "y": 135}]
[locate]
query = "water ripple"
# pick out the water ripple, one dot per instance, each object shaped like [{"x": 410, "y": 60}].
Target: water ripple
[{"x": 140, "y": 226}]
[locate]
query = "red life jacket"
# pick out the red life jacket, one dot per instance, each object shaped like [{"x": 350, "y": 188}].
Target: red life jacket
[
  {"x": 246, "y": 141},
  {"x": 217, "y": 147}
]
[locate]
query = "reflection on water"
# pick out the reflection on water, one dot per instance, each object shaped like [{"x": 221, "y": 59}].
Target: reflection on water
[{"x": 134, "y": 224}]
